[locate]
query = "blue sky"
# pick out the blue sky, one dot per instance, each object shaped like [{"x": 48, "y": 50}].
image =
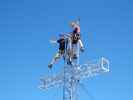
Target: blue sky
[{"x": 26, "y": 27}]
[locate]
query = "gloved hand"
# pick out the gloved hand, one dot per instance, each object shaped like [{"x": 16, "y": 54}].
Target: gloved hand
[{"x": 82, "y": 49}]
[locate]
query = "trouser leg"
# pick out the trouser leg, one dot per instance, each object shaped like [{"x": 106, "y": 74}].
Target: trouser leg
[
  {"x": 75, "y": 51},
  {"x": 56, "y": 57}
]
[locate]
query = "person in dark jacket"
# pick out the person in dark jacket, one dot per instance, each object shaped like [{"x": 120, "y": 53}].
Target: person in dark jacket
[{"x": 61, "y": 50}]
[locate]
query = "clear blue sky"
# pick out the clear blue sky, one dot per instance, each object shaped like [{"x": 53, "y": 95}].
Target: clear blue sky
[{"x": 26, "y": 27}]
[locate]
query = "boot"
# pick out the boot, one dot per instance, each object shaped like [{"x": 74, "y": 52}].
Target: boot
[
  {"x": 75, "y": 56},
  {"x": 69, "y": 62}
]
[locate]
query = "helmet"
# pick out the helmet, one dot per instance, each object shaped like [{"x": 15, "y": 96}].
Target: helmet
[
  {"x": 72, "y": 24},
  {"x": 61, "y": 35}
]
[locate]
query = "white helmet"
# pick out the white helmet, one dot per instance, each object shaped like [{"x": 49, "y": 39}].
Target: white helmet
[
  {"x": 61, "y": 35},
  {"x": 72, "y": 24}
]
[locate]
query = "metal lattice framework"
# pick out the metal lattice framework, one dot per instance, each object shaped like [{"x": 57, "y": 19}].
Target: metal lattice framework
[{"x": 70, "y": 76}]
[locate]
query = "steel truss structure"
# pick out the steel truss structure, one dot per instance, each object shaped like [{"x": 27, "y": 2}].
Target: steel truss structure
[{"x": 71, "y": 74}]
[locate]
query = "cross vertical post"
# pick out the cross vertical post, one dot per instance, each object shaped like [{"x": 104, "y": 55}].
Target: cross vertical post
[{"x": 72, "y": 74}]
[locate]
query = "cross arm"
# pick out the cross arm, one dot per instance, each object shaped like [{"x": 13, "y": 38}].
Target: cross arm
[
  {"x": 52, "y": 81},
  {"x": 92, "y": 69}
]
